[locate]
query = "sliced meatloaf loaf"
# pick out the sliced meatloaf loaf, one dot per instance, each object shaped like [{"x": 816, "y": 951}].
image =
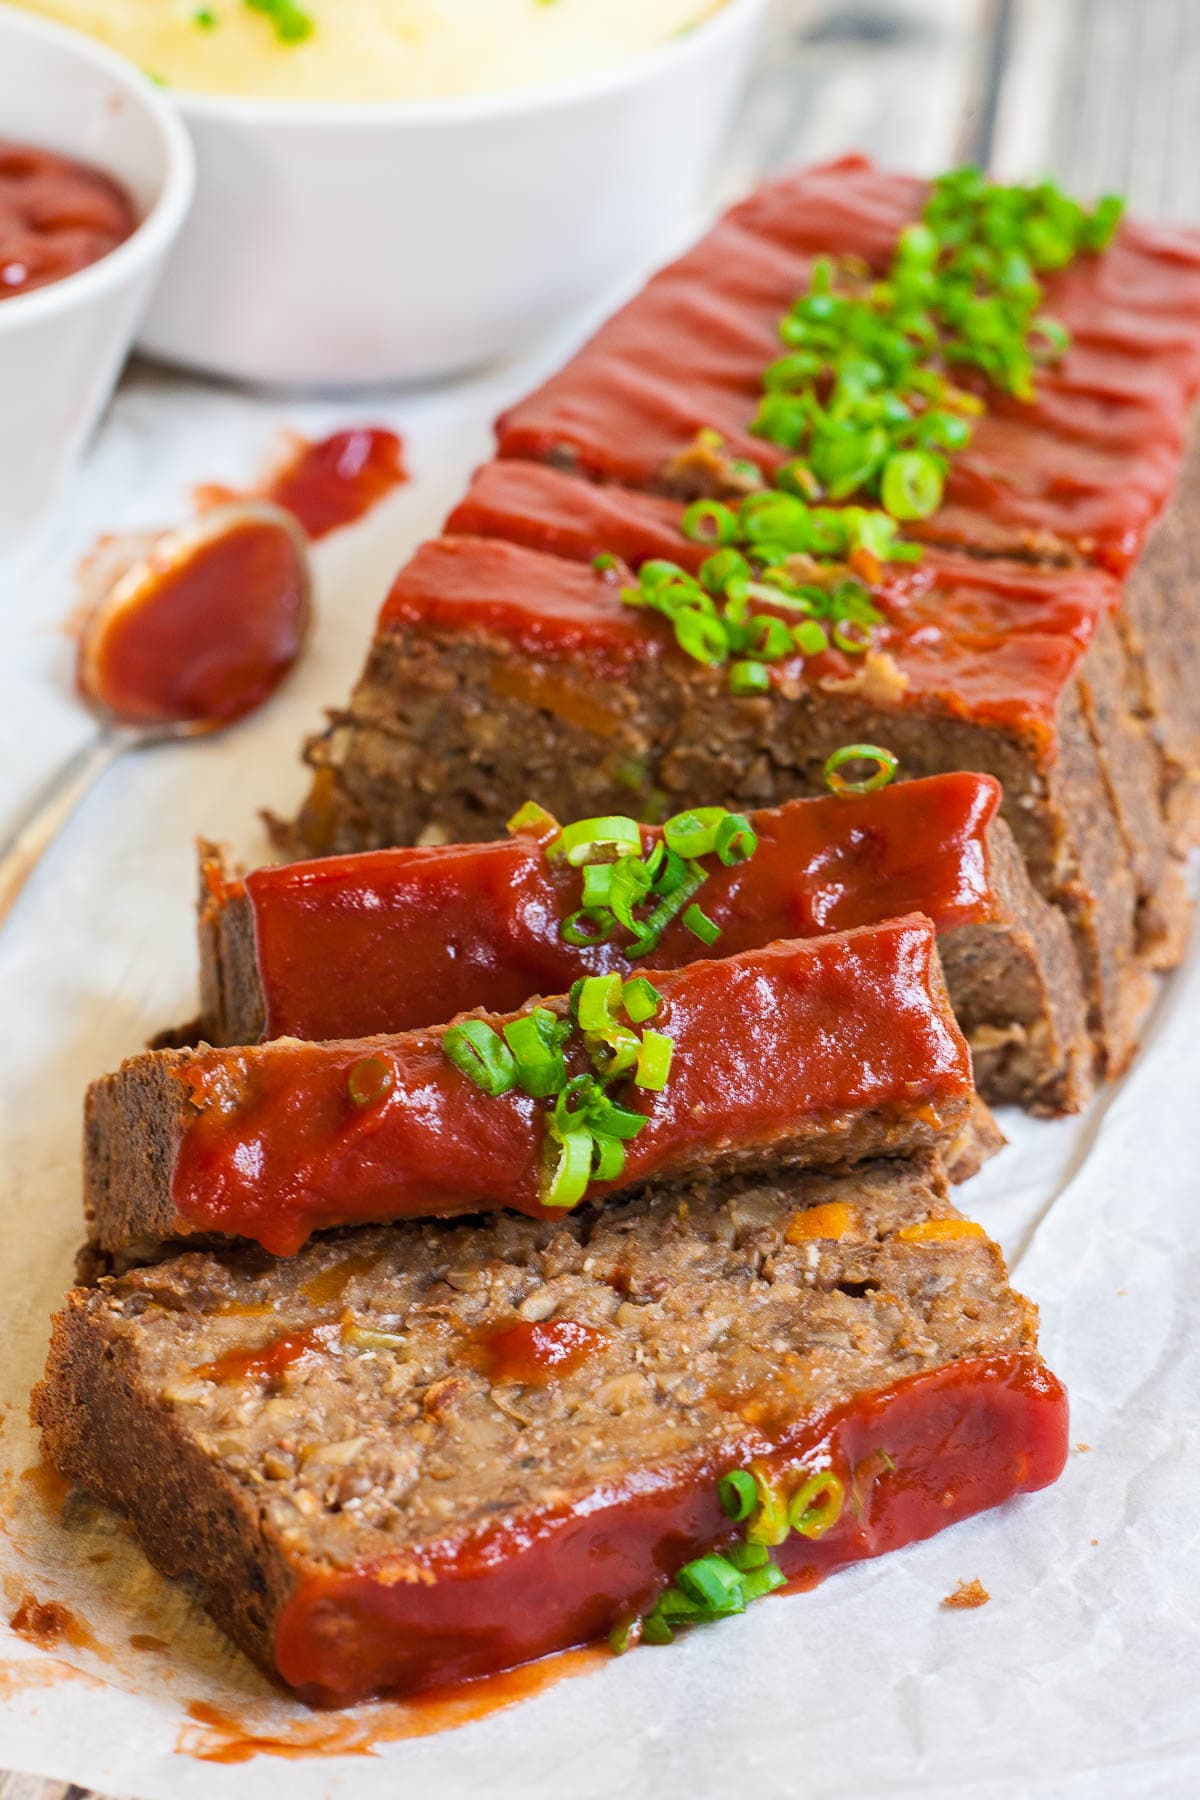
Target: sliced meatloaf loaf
[
  {"x": 499, "y": 672},
  {"x": 415, "y": 1455},
  {"x": 393, "y": 940},
  {"x": 813, "y": 1051}
]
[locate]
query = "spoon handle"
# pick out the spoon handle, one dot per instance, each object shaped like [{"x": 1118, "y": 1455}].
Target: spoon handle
[{"x": 48, "y": 811}]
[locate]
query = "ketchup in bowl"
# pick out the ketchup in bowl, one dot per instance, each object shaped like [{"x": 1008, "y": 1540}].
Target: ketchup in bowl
[{"x": 56, "y": 217}]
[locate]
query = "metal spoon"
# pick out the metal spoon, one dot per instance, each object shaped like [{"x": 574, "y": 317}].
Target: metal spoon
[{"x": 131, "y": 583}]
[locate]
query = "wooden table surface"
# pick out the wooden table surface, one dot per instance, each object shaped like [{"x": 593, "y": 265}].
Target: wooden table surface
[{"x": 1030, "y": 83}]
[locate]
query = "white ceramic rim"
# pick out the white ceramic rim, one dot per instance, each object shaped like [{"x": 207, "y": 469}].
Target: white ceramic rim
[
  {"x": 154, "y": 233},
  {"x": 458, "y": 109}
]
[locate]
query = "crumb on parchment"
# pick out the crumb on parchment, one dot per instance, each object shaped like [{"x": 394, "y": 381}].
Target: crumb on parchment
[{"x": 967, "y": 1595}]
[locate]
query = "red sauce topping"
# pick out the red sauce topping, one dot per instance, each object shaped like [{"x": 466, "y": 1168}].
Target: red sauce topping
[
  {"x": 56, "y": 216},
  {"x": 768, "y": 1047},
  {"x": 1088, "y": 464},
  {"x": 987, "y": 641},
  {"x": 959, "y": 1439},
  {"x": 206, "y": 630},
  {"x": 535, "y": 1354},
  {"x": 418, "y": 935}
]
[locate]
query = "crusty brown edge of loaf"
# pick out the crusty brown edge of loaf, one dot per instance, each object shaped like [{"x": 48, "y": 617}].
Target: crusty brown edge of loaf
[
  {"x": 133, "y": 1123},
  {"x": 104, "y": 1429},
  {"x": 232, "y": 1003},
  {"x": 1014, "y": 984}
]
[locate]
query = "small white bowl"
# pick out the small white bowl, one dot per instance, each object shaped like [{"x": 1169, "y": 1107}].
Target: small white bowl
[
  {"x": 62, "y": 346},
  {"x": 333, "y": 245}
]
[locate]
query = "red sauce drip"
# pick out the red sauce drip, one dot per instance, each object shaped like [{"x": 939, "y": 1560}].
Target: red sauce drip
[
  {"x": 56, "y": 217},
  {"x": 268, "y": 1361},
  {"x": 203, "y": 639},
  {"x": 961, "y": 1438},
  {"x": 48, "y": 1623},
  {"x": 331, "y": 483},
  {"x": 536, "y": 1354},
  {"x": 767, "y": 1046},
  {"x": 418, "y": 935}
]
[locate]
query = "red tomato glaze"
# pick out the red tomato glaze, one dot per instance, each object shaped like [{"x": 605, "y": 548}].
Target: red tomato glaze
[
  {"x": 56, "y": 217},
  {"x": 203, "y": 636},
  {"x": 418, "y": 935},
  {"x": 1087, "y": 465},
  {"x": 769, "y": 1047},
  {"x": 961, "y": 1438},
  {"x": 995, "y": 642}
]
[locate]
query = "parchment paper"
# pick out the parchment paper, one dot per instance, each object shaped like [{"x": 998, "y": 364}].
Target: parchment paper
[{"x": 1079, "y": 1677}]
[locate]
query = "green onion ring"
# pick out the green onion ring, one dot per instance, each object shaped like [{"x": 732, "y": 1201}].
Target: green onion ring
[{"x": 885, "y": 768}]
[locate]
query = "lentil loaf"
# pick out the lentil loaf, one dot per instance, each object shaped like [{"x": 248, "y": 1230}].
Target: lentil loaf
[
  {"x": 394, "y": 940},
  {"x": 811, "y": 1051},
  {"x": 418, "y": 1454}
]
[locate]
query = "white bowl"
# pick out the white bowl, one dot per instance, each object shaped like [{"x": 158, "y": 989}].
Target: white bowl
[
  {"x": 62, "y": 346},
  {"x": 332, "y": 245}
]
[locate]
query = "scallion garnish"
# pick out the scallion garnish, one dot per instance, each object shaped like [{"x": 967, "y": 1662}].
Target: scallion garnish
[
  {"x": 883, "y": 771},
  {"x": 481, "y": 1054},
  {"x": 724, "y": 1582},
  {"x": 292, "y": 24},
  {"x": 586, "y": 1128}
]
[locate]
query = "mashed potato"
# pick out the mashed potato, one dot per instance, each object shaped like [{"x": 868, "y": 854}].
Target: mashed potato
[{"x": 373, "y": 49}]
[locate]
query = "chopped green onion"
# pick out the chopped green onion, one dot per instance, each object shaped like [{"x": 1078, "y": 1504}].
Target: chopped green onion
[
  {"x": 606, "y": 1116},
  {"x": 706, "y": 639},
  {"x": 610, "y": 1157},
  {"x": 817, "y": 1506},
  {"x": 885, "y": 768},
  {"x": 596, "y": 840},
  {"x": 370, "y": 1081},
  {"x": 653, "y": 1061},
  {"x": 746, "y": 678},
  {"x": 588, "y": 926},
  {"x": 714, "y": 1582},
  {"x": 205, "y": 18},
  {"x": 738, "y": 1494},
  {"x": 532, "y": 817},
  {"x": 534, "y": 1040},
  {"x": 571, "y": 1172},
  {"x": 709, "y": 522},
  {"x": 641, "y": 999},
  {"x": 693, "y": 834},
  {"x": 604, "y": 562},
  {"x": 810, "y": 638},
  {"x": 758, "y": 1582},
  {"x": 482, "y": 1055},
  {"x": 911, "y": 485},
  {"x": 292, "y": 26},
  {"x": 701, "y": 926},
  {"x": 770, "y": 1523},
  {"x": 569, "y": 1116},
  {"x": 597, "y": 1002},
  {"x": 736, "y": 840},
  {"x": 614, "y": 1051}
]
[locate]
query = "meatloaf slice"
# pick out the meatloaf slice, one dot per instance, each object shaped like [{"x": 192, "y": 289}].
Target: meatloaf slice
[
  {"x": 498, "y": 671},
  {"x": 414, "y": 1455},
  {"x": 813, "y": 1051},
  {"x": 393, "y": 940}
]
